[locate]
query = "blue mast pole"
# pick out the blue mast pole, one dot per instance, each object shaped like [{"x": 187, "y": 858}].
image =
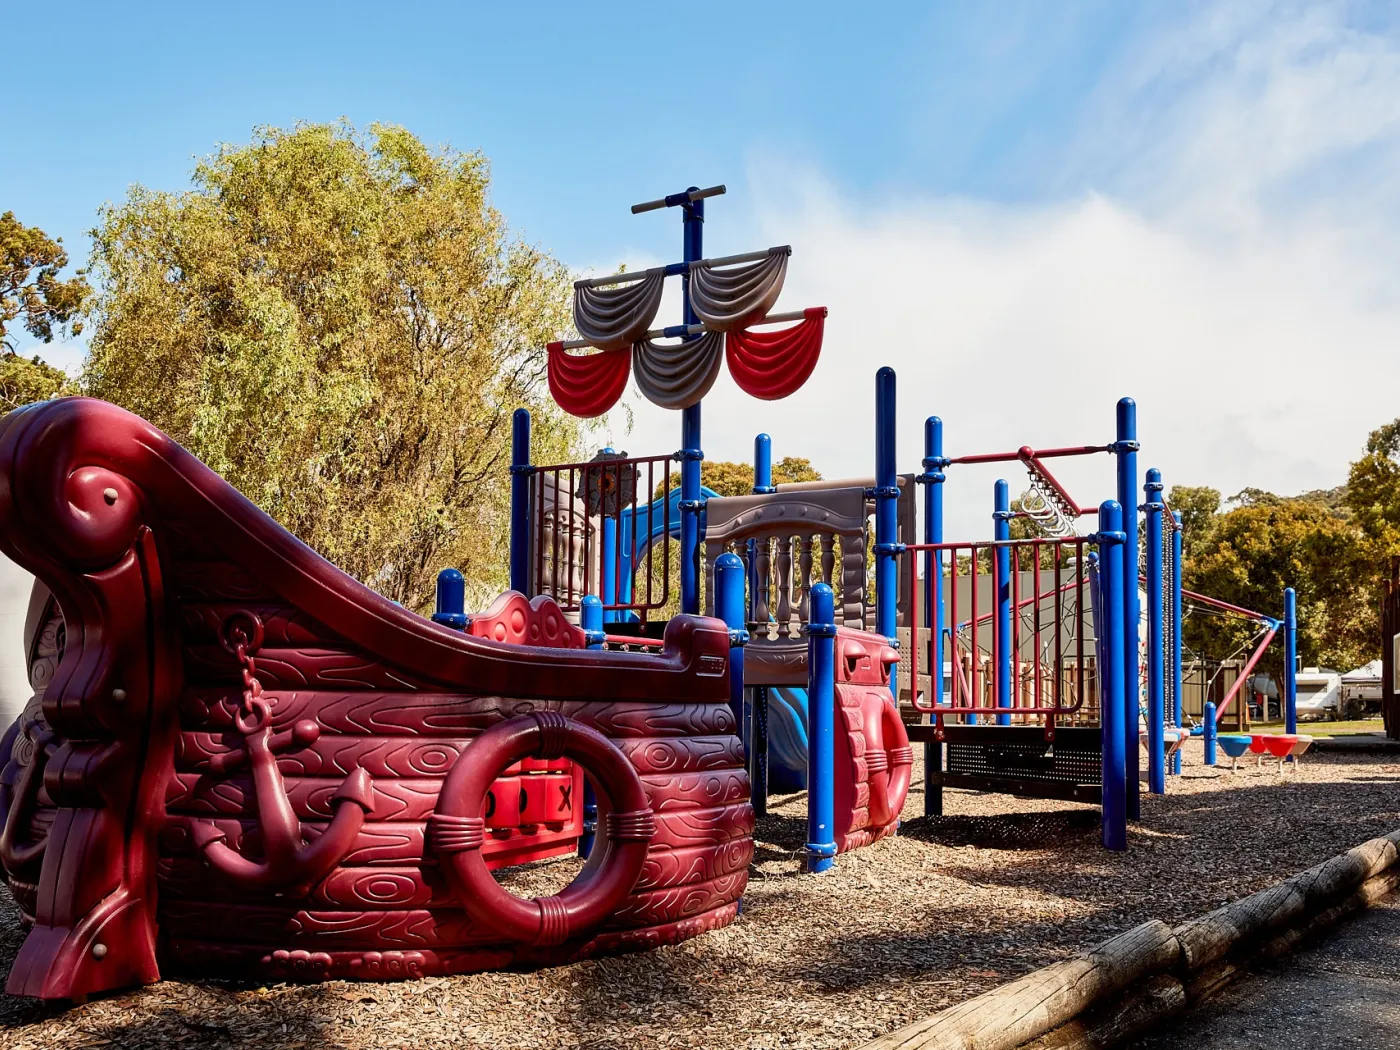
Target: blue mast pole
[
  {"x": 1112, "y": 705},
  {"x": 1125, "y": 448},
  {"x": 1176, "y": 634},
  {"x": 1156, "y": 669},
  {"x": 1001, "y": 559},
  {"x": 886, "y": 524},
  {"x": 933, "y": 476},
  {"x": 693, "y": 223},
  {"x": 520, "y": 474}
]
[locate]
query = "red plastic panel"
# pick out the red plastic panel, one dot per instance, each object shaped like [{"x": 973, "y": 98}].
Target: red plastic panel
[{"x": 873, "y": 757}]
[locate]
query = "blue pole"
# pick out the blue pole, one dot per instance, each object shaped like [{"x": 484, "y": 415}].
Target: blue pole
[
  {"x": 1290, "y": 661},
  {"x": 886, "y": 514},
  {"x": 1176, "y": 634},
  {"x": 1112, "y": 704},
  {"x": 607, "y": 550},
  {"x": 1156, "y": 663},
  {"x": 520, "y": 474},
  {"x": 729, "y": 607},
  {"x": 1005, "y": 658},
  {"x": 758, "y": 694},
  {"x": 1125, "y": 449},
  {"x": 821, "y": 730},
  {"x": 590, "y": 618},
  {"x": 933, "y": 476},
  {"x": 1210, "y": 729},
  {"x": 451, "y": 608},
  {"x": 762, "y": 464},
  {"x": 693, "y": 224}
]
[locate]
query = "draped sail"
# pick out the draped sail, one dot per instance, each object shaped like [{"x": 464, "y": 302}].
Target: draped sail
[
  {"x": 730, "y": 298},
  {"x": 772, "y": 365},
  {"x": 679, "y": 375},
  {"x": 616, "y": 316},
  {"x": 587, "y": 385}
]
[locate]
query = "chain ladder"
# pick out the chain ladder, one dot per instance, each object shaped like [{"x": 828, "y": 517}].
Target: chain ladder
[{"x": 1046, "y": 507}]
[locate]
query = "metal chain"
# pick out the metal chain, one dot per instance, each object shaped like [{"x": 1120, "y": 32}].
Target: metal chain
[{"x": 253, "y": 711}]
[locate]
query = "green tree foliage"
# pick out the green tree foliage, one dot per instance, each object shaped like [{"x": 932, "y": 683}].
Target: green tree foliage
[
  {"x": 736, "y": 479},
  {"x": 1373, "y": 490},
  {"x": 1249, "y": 554},
  {"x": 1198, "y": 506},
  {"x": 32, "y": 289},
  {"x": 24, "y": 380},
  {"x": 30, "y": 286},
  {"x": 340, "y": 324}
]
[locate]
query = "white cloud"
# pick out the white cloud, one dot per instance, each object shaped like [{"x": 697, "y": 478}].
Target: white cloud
[{"x": 1231, "y": 267}]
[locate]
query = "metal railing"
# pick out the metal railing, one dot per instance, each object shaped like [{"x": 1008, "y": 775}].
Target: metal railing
[
  {"x": 1031, "y": 654},
  {"x": 596, "y": 530}
]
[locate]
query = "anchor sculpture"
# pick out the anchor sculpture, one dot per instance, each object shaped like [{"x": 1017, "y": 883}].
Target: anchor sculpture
[{"x": 288, "y": 862}]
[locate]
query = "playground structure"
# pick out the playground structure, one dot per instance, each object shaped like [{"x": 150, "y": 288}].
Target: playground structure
[{"x": 241, "y": 762}]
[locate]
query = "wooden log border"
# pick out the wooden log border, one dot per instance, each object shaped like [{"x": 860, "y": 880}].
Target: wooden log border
[{"x": 1131, "y": 983}]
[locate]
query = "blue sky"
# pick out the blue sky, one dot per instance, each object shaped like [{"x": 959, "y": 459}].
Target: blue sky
[
  {"x": 1028, "y": 209},
  {"x": 582, "y": 108}
]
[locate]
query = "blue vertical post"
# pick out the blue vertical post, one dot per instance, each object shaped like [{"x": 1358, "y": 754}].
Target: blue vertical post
[
  {"x": 520, "y": 474},
  {"x": 1001, "y": 560},
  {"x": 821, "y": 730},
  {"x": 1112, "y": 701},
  {"x": 607, "y": 559},
  {"x": 693, "y": 224},
  {"x": 934, "y": 464},
  {"x": 1156, "y": 647},
  {"x": 451, "y": 607},
  {"x": 758, "y": 694},
  {"x": 1176, "y": 635},
  {"x": 762, "y": 464},
  {"x": 1210, "y": 729},
  {"x": 590, "y": 618},
  {"x": 886, "y": 514},
  {"x": 1290, "y": 661},
  {"x": 1125, "y": 450},
  {"x": 729, "y": 607}
]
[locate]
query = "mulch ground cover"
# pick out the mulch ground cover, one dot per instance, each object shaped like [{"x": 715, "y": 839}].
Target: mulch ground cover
[{"x": 952, "y": 906}]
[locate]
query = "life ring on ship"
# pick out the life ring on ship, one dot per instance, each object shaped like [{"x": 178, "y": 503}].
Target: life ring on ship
[
  {"x": 457, "y": 829},
  {"x": 889, "y": 764}
]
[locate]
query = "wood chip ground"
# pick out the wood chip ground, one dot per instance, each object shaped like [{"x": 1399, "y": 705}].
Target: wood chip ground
[{"x": 949, "y": 908}]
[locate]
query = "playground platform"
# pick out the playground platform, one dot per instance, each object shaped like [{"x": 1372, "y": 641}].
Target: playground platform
[{"x": 951, "y": 907}]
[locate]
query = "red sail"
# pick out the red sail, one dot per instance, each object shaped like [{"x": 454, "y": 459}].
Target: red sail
[
  {"x": 772, "y": 365},
  {"x": 590, "y": 384}
]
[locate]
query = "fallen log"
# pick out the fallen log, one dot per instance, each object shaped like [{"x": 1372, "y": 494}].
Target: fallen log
[{"x": 1024, "y": 1009}]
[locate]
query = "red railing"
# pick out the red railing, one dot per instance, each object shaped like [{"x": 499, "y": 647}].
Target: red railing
[
  {"x": 1052, "y": 658},
  {"x": 592, "y": 532}
]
